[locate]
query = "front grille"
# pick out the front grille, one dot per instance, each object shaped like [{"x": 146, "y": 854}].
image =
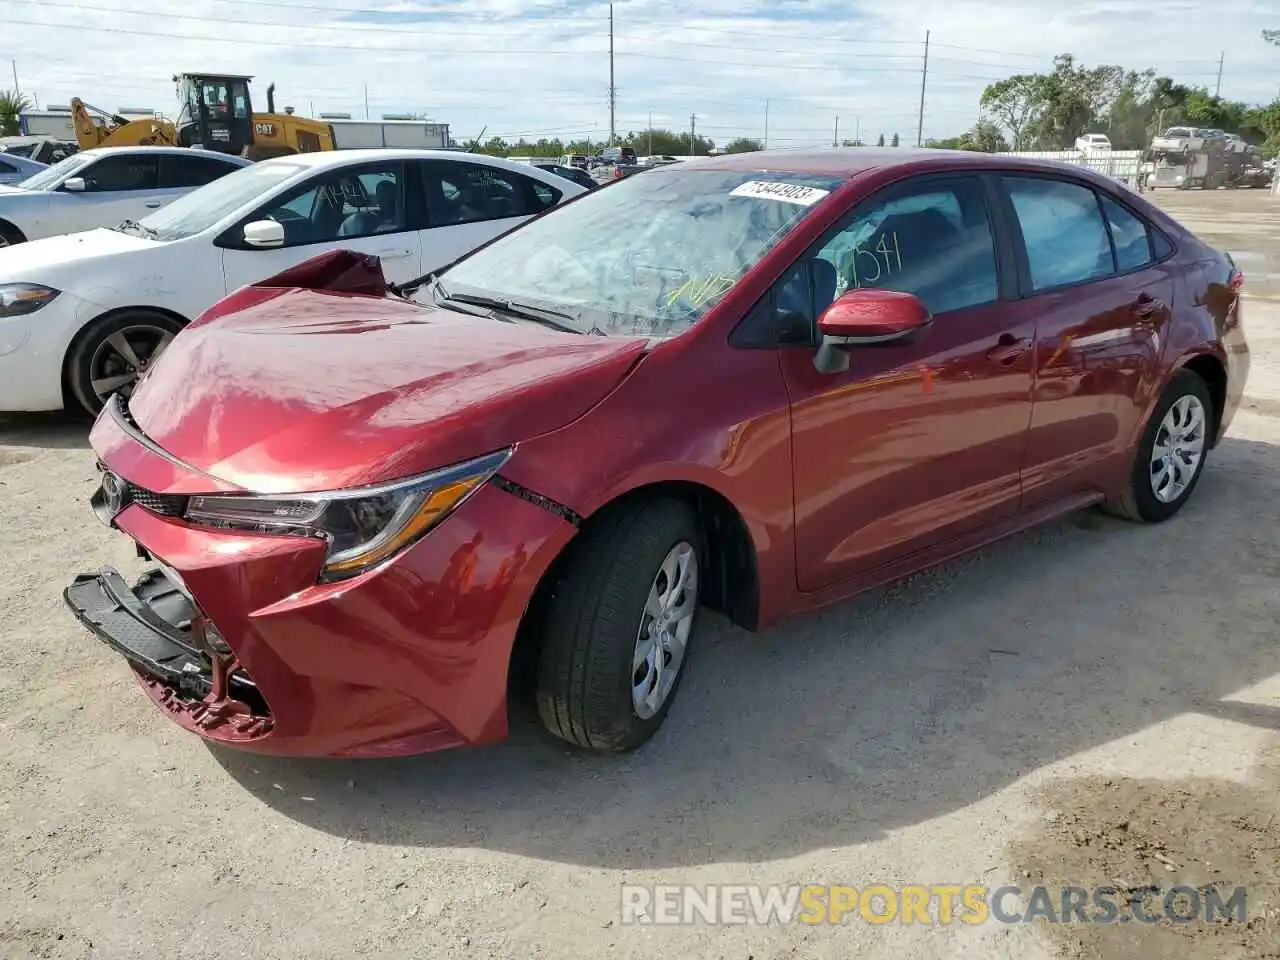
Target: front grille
[{"x": 165, "y": 504}]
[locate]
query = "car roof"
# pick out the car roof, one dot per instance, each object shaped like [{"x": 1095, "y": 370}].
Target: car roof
[
  {"x": 163, "y": 152},
  {"x": 340, "y": 158},
  {"x": 848, "y": 162}
]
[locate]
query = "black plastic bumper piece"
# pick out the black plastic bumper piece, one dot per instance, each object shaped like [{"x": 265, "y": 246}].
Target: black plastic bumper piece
[{"x": 148, "y": 624}]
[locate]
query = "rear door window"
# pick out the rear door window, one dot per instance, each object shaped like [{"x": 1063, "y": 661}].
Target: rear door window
[
  {"x": 1063, "y": 231},
  {"x": 194, "y": 171}
]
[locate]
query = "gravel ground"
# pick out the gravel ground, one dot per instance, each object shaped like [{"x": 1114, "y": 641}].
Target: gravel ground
[{"x": 927, "y": 733}]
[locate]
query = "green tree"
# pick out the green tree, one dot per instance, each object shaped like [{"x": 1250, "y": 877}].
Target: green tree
[
  {"x": 986, "y": 137},
  {"x": 894, "y": 142},
  {"x": 880, "y": 142},
  {"x": 1015, "y": 102},
  {"x": 12, "y": 105},
  {"x": 667, "y": 143},
  {"x": 743, "y": 145}
]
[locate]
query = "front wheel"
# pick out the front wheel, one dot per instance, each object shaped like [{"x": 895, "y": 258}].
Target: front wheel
[
  {"x": 1171, "y": 453},
  {"x": 113, "y": 352},
  {"x": 619, "y": 626}
]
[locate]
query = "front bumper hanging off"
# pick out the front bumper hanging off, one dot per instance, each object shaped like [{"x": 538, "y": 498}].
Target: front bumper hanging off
[{"x": 157, "y": 628}]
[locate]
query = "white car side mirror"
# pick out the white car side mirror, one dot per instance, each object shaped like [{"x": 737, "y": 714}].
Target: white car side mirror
[
  {"x": 264, "y": 233},
  {"x": 74, "y": 185}
]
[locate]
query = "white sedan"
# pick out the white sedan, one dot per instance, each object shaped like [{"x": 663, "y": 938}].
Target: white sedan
[
  {"x": 81, "y": 315},
  {"x": 101, "y": 187}
]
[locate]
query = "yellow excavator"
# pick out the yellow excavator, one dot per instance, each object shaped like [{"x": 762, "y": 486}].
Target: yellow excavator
[{"x": 217, "y": 114}]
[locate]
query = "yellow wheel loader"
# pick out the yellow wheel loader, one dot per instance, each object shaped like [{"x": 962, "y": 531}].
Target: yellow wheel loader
[{"x": 217, "y": 114}]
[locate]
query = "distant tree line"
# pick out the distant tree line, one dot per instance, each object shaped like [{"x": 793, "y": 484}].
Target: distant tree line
[{"x": 1048, "y": 111}]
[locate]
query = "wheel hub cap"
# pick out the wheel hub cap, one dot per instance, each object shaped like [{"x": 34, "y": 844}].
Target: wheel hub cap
[
  {"x": 664, "y": 630},
  {"x": 1178, "y": 449}
]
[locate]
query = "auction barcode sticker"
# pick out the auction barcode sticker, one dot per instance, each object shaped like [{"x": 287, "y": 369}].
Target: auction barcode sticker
[{"x": 786, "y": 192}]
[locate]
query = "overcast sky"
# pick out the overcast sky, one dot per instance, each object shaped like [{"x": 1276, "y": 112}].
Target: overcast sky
[{"x": 541, "y": 67}]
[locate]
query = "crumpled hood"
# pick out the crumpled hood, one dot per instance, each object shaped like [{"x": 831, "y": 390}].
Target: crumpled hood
[
  {"x": 49, "y": 259},
  {"x": 303, "y": 390}
]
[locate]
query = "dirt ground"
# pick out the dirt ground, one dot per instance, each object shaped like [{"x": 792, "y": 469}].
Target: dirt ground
[{"x": 995, "y": 721}]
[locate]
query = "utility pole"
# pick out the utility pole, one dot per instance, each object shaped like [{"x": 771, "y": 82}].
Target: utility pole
[
  {"x": 924, "y": 79},
  {"x": 613, "y": 92},
  {"x": 857, "y": 130},
  {"x": 766, "y": 124},
  {"x": 1218, "y": 88},
  {"x": 693, "y": 129},
  {"x": 17, "y": 90},
  {"x": 651, "y": 133},
  {"x": 835, "y": 137},
  {"x": 366, "y": 101}
]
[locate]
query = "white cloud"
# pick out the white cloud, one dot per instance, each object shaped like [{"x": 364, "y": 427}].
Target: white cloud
[{"x": 536, "y": 67}]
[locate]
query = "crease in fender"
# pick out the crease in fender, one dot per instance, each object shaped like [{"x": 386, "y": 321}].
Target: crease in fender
[{"x": 537, "y": 499}]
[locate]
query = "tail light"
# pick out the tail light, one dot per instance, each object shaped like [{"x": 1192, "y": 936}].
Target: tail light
[{"x": 617, "y": 174}]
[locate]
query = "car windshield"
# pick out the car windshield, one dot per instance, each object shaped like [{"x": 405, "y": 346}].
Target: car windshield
[
  {"x": 52, "y": 176},
  {"x": 649, "y": 255},
  {"x": 206, "y": 206}
]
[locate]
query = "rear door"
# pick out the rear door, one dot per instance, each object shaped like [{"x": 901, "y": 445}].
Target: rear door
[
  {"x": 118, "y": 187},
  {"x": 1096, "y": 286},
  {"x": 361, "y": 208},
  {"x": 467, "y": 204},
  {"x": 916, "y": 442}
]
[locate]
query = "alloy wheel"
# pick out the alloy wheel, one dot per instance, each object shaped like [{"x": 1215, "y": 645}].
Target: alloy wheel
[
  {"x": 123, "y": 357},
  {"x": 1178, "y": 448},
  {"x": 664, "y": 631}
]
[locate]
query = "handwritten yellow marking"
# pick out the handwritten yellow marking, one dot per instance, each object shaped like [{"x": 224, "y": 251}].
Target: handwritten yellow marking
[{"x": 1062, "y": 348}]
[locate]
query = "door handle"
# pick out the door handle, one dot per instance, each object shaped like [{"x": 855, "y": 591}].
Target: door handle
[
  {"x": 1008, "y": 349},
  {"x": 1148, "y": 306},
  {"x": 395, "y": 253},
  {"x": 153, "y": 204}
]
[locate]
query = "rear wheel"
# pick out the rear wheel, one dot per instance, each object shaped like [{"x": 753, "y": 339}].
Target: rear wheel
[
  {"x": 1171, "y": 454},
  {"x": 113, "y": 352},
  {"x": 619, "y": 626}
]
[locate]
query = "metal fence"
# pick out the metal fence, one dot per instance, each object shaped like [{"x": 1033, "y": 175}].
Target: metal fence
[{"x": 1122, "y": 165}]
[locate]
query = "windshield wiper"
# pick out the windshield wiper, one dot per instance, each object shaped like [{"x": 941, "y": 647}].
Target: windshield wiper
[
  {"x": 127, "y": 225},
  {"x": 525, "y": 311}
]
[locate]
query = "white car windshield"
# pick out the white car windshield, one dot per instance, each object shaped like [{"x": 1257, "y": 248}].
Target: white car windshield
[
  {"x": 52, "y": 176},
  {"x": 649, "y": 255},
  {"x": 206, "y": 206}
]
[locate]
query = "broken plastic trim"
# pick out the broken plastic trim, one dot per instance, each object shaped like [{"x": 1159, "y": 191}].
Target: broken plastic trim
[{"x": 537, "y": 499}]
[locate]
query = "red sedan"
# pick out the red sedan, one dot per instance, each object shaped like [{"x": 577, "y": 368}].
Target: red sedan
[{"x": 757, "y": 383}]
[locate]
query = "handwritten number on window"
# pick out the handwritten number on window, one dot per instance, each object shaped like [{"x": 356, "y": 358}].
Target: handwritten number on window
[{"x": 885, "y": 259}]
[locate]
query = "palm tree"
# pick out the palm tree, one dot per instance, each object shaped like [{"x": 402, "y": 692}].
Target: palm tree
[{"x": 12, "y": 104}]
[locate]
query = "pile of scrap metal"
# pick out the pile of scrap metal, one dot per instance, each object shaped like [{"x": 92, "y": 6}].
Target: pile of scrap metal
[{"x": 40, "y": 149}]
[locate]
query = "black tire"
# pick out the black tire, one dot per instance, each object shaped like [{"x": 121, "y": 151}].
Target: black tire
[
  {"x": 80, "y": 357},
  {"x": 1139, "y": 501},
  {"x": 10, "y": 235},
  {"x": 593, "y": 619}
]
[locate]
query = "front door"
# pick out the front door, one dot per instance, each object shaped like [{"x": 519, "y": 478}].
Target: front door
[
  {"x": 122, "y": 186},
  {"x": 353, "y": 208},
  {"x": 915, "y": 442}
]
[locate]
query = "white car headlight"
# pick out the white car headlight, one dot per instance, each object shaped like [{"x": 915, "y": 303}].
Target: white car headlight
[
  {"x": 19, "y": 299},
  {"x": 363, "y": 527}
]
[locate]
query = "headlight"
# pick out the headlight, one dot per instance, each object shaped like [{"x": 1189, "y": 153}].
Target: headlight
[
  {"x": 17, "y": 299},
  {"x": 363, "y": 527}
]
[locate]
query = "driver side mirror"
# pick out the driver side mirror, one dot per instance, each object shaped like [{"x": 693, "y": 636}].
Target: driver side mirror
[
  {"x": 264, "y": 233},
  {"x": 75, "y": 185},
  {"x": 867, "y": 318}
]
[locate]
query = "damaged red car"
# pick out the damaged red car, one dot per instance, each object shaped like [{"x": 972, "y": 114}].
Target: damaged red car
[{"x": 756, "y": 383}]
